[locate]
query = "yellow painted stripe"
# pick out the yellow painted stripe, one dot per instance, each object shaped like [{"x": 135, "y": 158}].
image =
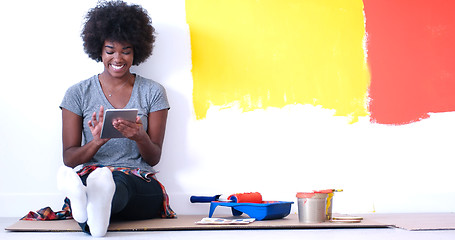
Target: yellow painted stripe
[{"x": 258, "y": 54}]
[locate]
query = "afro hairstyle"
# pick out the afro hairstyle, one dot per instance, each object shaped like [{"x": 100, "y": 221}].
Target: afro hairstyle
[{"x": 119, "y": 22}]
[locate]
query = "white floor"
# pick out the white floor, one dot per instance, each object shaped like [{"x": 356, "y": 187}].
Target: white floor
[{"x": 320, "y": 234}]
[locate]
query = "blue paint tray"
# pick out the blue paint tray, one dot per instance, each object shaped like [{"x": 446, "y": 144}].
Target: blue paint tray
[{"x": 260, "y": 211}]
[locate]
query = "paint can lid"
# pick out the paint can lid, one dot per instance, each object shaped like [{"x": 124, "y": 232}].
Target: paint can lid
[
  {"x": 305, "y": 194},
  {"x": 324, "y": 191},
  {"x": 313, "y": 194}
]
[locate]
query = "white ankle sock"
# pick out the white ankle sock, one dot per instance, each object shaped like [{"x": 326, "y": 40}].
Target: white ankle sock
[
  {"x": 69, "y": 183},
  {"x": 100, "y": 190}
]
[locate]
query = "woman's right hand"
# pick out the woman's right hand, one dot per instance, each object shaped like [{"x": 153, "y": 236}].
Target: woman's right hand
[{"x": 96, "y": 126}]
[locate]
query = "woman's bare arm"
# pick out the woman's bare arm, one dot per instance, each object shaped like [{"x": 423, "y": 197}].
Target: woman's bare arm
[{"x": 73, "y": 153}]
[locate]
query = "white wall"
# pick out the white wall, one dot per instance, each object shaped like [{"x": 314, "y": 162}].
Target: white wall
[{"x": 277, "y": 152}]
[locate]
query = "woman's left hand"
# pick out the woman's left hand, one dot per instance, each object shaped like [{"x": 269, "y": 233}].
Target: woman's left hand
[{"x": 130, "y": 130}]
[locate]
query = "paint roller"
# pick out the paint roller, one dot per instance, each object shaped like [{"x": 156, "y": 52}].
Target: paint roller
[{"x": 251, "y": 197}]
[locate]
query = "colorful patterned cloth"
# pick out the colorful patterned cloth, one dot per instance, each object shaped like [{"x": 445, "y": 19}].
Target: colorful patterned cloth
[{"x": 48, "y": 214}]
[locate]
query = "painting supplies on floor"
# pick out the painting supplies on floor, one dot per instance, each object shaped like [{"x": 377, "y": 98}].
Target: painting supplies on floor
[
  {"x": 313, "y": 207},
  {"x": 316, "y": 207},
  {"x": 251, "y": 204}
]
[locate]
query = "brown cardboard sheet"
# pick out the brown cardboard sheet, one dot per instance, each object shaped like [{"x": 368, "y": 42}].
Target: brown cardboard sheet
[
  {"x": 187, "y": 222},
  {"x": 416, "y": 221}
]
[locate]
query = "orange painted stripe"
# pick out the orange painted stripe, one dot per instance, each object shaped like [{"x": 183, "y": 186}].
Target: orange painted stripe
[{"x": 411, "y": 54}]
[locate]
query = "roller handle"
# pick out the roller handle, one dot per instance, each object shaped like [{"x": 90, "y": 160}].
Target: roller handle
[{"x": 204, "y": 199}]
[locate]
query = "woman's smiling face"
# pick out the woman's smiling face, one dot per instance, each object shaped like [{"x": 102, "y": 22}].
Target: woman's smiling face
[{"x": 117, "y": 58}]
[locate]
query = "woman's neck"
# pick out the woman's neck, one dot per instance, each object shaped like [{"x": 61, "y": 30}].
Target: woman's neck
[{"x": 109, "y": 80}]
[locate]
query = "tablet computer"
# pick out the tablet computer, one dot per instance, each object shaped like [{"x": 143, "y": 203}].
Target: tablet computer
[{"x": 108, "y": 130}]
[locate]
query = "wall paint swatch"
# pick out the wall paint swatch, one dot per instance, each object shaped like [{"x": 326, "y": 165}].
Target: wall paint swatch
[
  {"x": 411, "y": 54},
  {"x": 257, "y": 54}
]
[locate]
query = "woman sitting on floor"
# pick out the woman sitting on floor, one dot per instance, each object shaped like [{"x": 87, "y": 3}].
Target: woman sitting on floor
[{"x": 117, "y": 176}]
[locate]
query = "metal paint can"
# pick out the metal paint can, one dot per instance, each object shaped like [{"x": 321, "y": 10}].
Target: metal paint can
[
  {"x": 329, "y": 206},
  {"x": 312, "y": 207}
]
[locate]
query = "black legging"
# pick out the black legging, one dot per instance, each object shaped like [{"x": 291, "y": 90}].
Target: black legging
[{"x": 134, "y": 198}]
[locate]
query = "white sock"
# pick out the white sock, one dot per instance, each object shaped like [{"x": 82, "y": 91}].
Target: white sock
[
  {"x": 100, "y": 190},
  {"x": 69, "y": 183}
]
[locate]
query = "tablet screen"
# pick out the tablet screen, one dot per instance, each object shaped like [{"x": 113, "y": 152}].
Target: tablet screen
[{"x": 108, "y": 130}]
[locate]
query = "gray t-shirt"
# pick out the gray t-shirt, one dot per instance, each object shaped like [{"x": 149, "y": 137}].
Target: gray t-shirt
[{"x": 86, "y": 97}]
